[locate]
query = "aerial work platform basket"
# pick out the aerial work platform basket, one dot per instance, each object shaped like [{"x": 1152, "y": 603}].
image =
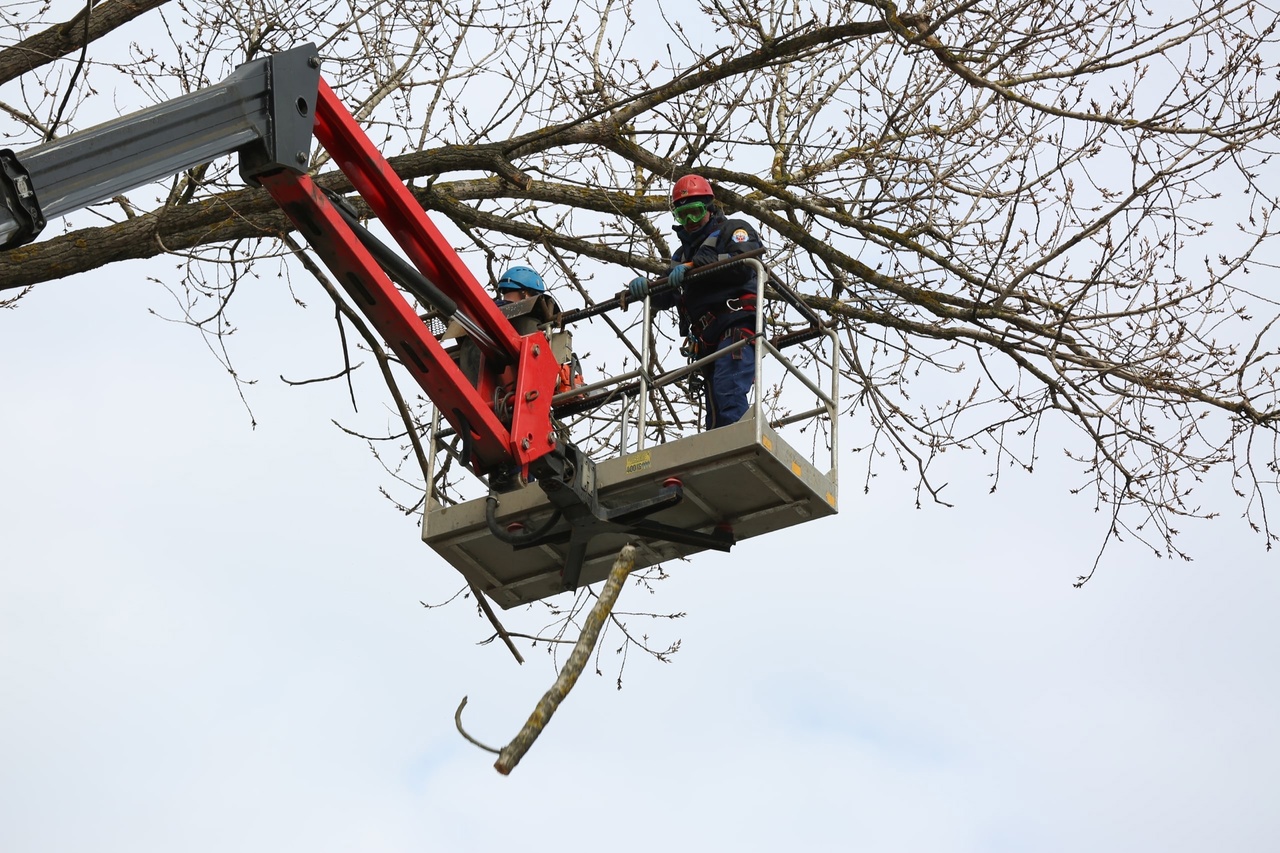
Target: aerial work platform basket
[
  {"x": 735, "y": 482},
  {"x": 746, "y": 478}
]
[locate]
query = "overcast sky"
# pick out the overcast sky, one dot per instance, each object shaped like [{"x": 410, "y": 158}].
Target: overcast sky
[{"x": 211, "y": 639}]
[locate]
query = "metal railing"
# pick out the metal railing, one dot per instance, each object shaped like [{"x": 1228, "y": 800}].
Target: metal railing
[
  {"x": 826, "y": 399},
  {"x": 632, "y": 391}
]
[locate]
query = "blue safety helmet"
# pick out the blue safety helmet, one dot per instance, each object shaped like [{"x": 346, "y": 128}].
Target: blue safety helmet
[{"x": 521, "y": 278}]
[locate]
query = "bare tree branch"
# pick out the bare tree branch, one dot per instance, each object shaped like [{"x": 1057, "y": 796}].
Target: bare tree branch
[{"x": 63, "y": 39}]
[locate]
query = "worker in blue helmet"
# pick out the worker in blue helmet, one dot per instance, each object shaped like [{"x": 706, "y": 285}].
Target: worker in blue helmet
[{"x": 518, "y": 283}]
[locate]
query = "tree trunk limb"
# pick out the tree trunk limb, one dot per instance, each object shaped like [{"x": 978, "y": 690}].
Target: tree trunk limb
[
  {"x": 61, "y": 39},
  {"x": 511, "y": 754}
]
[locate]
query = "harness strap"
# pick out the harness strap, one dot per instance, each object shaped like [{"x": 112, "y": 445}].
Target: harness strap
[{"x": 745, "y": 302}]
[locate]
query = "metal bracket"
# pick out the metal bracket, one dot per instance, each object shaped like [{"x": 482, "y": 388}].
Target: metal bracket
[
  {"x": 292, "y": 86},
  {"x": 585, "y": 523},
  {"x": 18, "y": 197},
  {"x": 568, "y": 479}
]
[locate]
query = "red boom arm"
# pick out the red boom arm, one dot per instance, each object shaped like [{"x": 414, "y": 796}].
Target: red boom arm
[{"x": 468, "y": 409}]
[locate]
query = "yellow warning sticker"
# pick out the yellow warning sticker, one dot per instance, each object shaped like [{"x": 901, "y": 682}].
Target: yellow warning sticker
[
  {"x": 831, "y": 499},
  {"x": 767, "y": 442},
  {"x": 638, "y": 461},
  {"x": 796, "y": 469}
]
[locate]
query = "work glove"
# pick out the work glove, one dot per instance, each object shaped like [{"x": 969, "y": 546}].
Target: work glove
[
  {"x": 676, "y": 275},
  {"x": 638, "y": 288}
]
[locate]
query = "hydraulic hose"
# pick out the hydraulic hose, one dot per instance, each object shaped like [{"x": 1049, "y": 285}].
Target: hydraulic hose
[{"x": 528, "y": 537}]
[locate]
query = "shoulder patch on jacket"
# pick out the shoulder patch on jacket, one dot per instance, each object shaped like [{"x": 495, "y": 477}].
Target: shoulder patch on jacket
[{"x": 741, "y": 236}]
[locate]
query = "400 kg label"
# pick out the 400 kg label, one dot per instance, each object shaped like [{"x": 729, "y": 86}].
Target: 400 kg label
[{"x": 637, "y": 462}]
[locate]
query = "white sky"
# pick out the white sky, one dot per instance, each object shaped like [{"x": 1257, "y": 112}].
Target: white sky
[{"x": 211, "y": 639}]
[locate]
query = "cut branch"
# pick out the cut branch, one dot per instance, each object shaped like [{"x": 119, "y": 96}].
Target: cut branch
[{"x": 511, "y": 754}]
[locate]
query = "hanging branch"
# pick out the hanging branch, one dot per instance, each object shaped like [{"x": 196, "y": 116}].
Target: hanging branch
[
  {"x": 402, "y": 407},
  {"x": 493, "y": 620},
  {"x": 509, "y": 756}
]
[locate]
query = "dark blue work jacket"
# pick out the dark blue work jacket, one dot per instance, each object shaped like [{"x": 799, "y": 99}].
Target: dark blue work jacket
[{"x": 709, "y": 305}]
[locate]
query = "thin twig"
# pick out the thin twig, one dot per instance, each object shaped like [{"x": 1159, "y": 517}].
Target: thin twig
[
  {"x": 374, "y": 346},
  {"x": 497, "y": 626},
  {"x": 296, "y": 382},
  {"x": 401, "y": 406},
  {"x": 71, "y": 86},
  {"x": 457, "y": 721},
  {"x": 534, "y": 637}
]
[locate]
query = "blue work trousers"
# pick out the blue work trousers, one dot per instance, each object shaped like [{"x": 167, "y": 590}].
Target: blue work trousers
[{"x": 729, "y": 380}]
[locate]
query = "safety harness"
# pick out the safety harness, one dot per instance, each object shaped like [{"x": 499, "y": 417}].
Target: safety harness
[{"x": 744, "y": 302}]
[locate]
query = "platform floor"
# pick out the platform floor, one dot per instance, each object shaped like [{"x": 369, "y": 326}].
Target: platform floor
[{"x": 756, "y": 486}]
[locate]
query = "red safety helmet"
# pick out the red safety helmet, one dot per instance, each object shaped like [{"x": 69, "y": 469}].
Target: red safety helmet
[{"x": 690, "y": 186}]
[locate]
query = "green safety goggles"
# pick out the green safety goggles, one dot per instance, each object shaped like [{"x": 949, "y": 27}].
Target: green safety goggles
[{"x": 690, "y": 212}]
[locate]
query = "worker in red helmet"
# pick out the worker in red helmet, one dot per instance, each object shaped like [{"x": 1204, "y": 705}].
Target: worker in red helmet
[{"x": 716, "y": 309}]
